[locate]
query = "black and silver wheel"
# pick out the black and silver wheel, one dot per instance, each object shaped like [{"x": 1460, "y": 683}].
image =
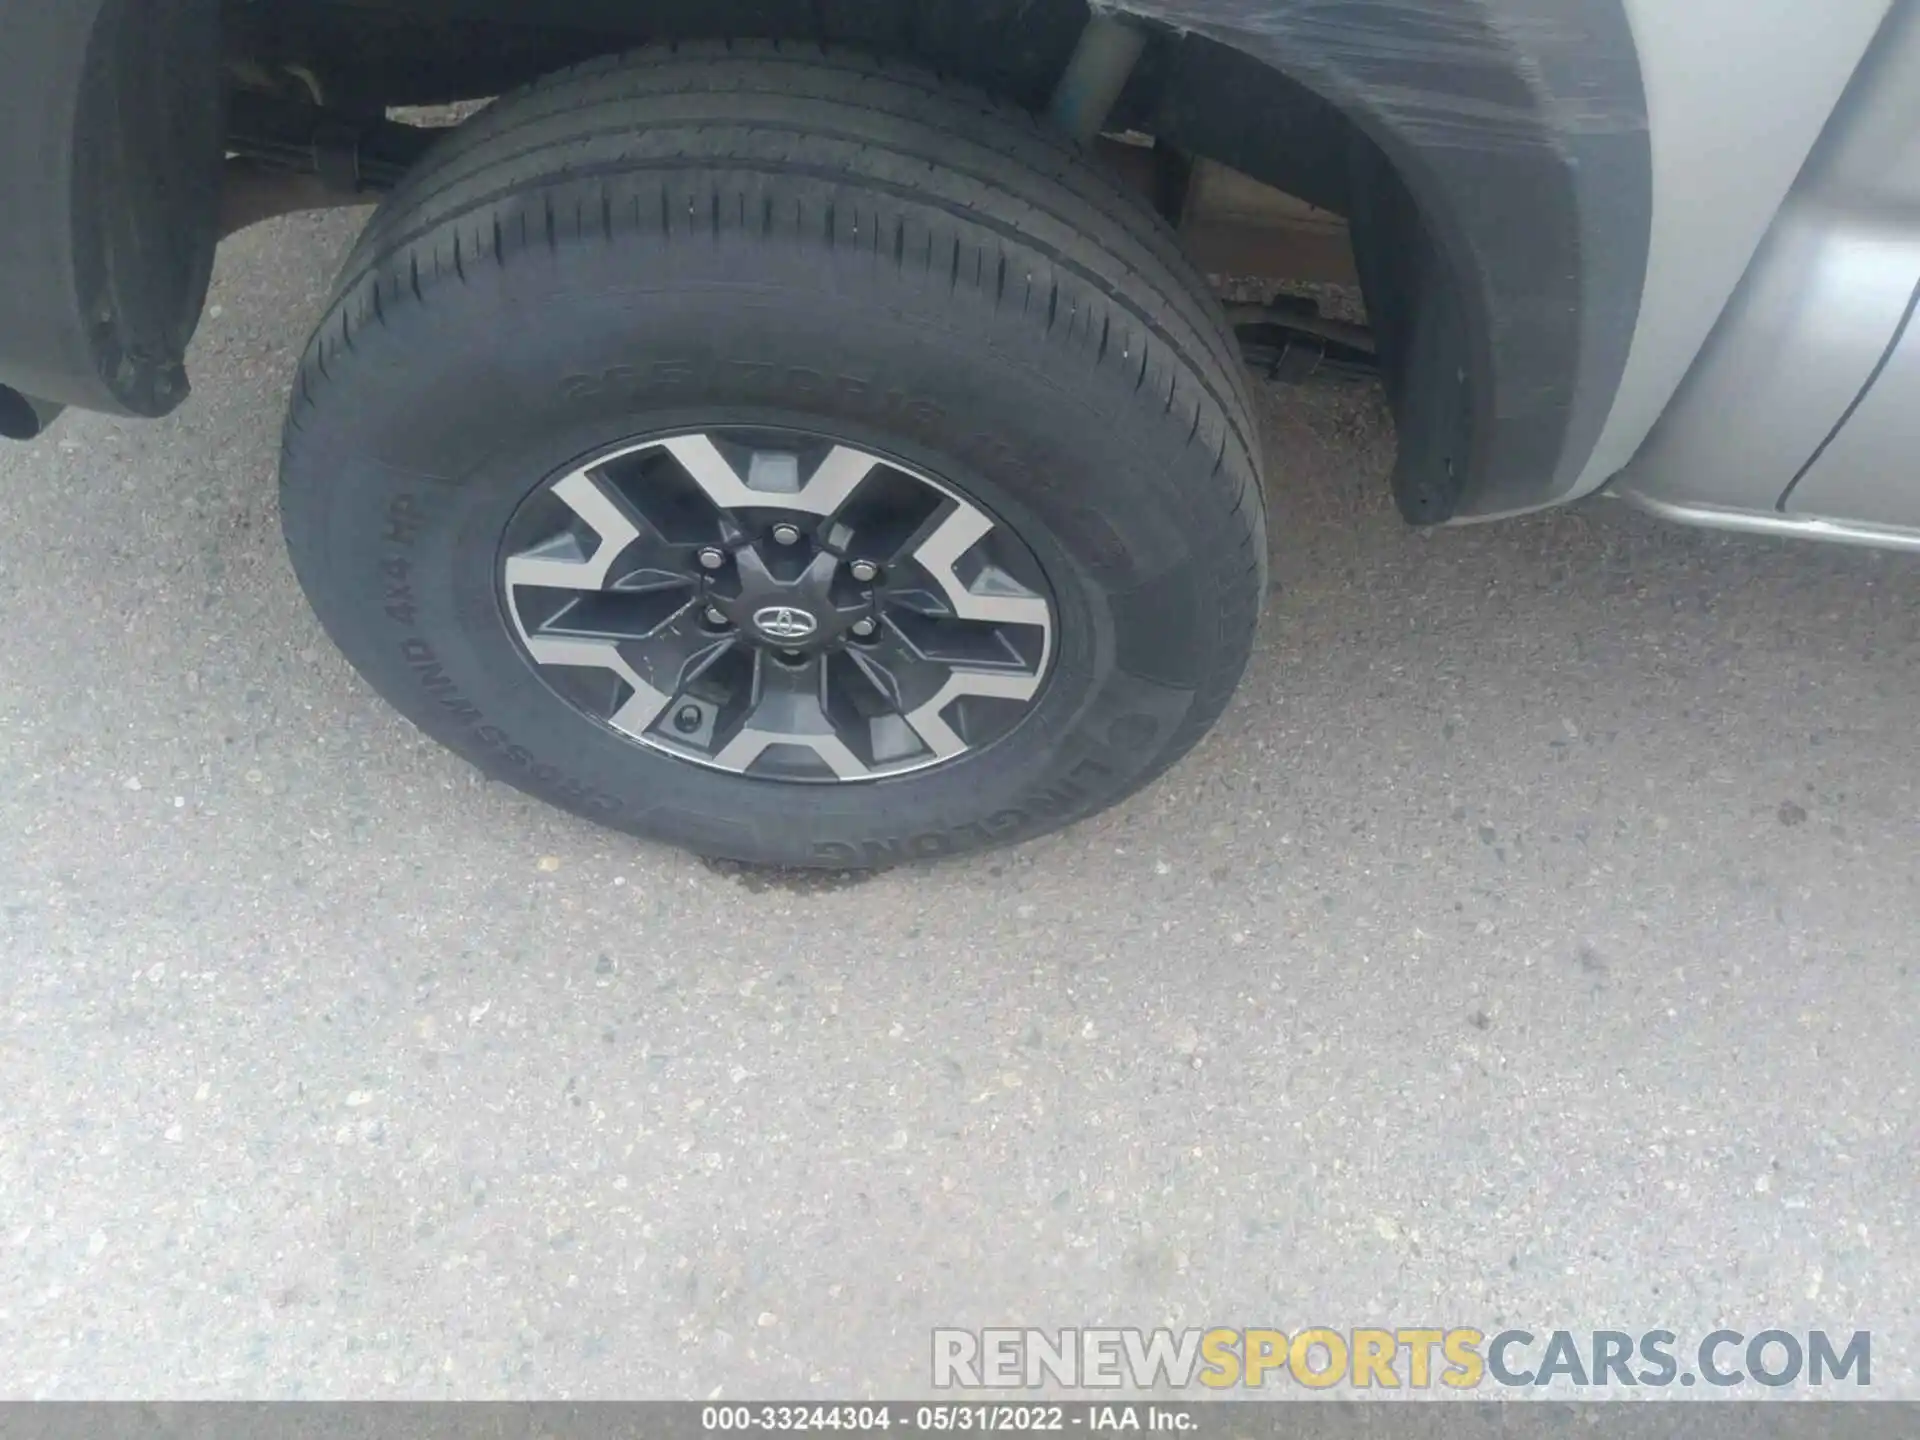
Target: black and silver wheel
[
  {"x": 783, "y": 455},
  {"x": 772, "y": 603}
]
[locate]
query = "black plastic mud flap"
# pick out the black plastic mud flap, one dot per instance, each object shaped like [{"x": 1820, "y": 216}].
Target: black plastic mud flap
[
  {"x": 1423, "y": 334},
  {"x": 110, "y": 161}
]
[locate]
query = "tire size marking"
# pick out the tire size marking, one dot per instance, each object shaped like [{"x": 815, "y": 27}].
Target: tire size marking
[
  {"x": 662, "y": 378},
  {"x": 495, "y": 742},
  {"x": 405, "y": 516},
  {"x": 395, "y": 573}
]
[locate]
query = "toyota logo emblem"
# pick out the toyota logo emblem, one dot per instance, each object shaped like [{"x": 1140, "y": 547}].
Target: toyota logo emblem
[{"x": 783, "y": 622}]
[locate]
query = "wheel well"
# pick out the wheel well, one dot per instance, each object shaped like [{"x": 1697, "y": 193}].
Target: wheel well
[
  {"x": 1499, "y": 238},
  {"x": 302, "y": 66},
  {"x": 367, "y": 56},
  {"x": 1199, "y": 99}
]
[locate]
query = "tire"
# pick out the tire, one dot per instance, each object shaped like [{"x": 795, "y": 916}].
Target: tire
[{"x": 770, "y": 236}]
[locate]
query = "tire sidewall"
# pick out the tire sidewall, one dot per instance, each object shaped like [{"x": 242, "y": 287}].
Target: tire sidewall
[{"x": 452, "y": 411}]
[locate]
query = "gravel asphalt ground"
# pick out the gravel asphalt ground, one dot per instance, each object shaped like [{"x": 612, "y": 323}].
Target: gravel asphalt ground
[{"x": 1533, "y": 945}]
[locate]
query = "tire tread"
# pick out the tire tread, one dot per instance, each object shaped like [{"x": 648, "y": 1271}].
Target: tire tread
[{"x": 834, "y": 118}]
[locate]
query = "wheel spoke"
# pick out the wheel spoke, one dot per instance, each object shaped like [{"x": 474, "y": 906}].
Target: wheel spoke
[
  {"x": 929, "y": 721},
  {"x": 824, "y": 492},
  {"x": 643, "y": 705},
  {"x": 966, "y": 644},
  {"x": 921, "y": 688},
  {"x": 672, "y": 657},
  {"x": 993, "y": 595},
  {"x": 628, "y": 555},
  {"x": 621, "y": 614},
  {"x": 789, "y": 709},
  {"x": 674, "y": 650},
  {"x": 560, "y": 564}
]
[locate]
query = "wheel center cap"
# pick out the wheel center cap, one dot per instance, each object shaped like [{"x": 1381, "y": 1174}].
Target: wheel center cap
[{"x": 785, "y": 623}]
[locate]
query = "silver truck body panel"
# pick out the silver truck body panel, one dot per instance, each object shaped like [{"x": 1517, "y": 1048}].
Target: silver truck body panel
[{"x": 1802, "y": 409}]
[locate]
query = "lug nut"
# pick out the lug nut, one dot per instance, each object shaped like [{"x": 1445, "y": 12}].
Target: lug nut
[
  {"x": 784, "y": 534},
  {"x": 688, "y": 719},
  {"x": 864, "y": 628},
  {"x": 715, "y": 615},
  {"x": 712, "y": 558},
  {"x": 865, "y": 570}
]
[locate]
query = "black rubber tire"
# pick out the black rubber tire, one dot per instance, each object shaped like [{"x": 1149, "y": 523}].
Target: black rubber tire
[{"x": 767, "y": 234}]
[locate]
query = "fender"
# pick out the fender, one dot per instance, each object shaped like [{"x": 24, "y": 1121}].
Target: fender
[
  {"x": 1499, "y": 189},
  {"x": 1502, "y": 205}
]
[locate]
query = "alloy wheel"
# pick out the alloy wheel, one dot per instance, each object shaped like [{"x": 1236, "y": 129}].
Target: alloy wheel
[{"x": 778, "y": 604}]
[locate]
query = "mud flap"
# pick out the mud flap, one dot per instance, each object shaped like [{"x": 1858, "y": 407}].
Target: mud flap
[
  {"x": 110, "y": 160},
  {"x": 1421, "y": 329}
]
